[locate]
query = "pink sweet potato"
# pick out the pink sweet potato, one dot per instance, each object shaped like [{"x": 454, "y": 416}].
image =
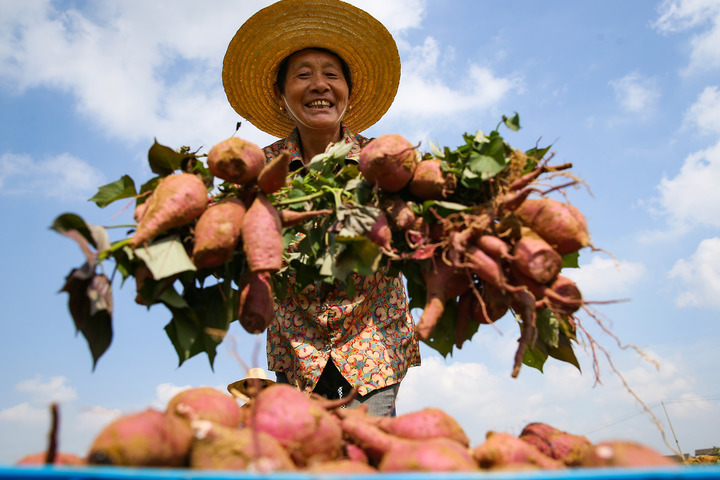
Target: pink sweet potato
[
  {"x": 216, "y": 447},
  {"x": 555, "y": 443},
  {"x": 217, "y": 233},
  {"x": 566, "y": 297},
  {"x": 61, "y": 458},
  {"x": 236, "y": 160},
  {"x": 274, "y": 175},
  {"x": 149, "y": 438},
  {"x": 430, "y": 182},
  {"x": 501, "y": 449},
  {"x": 388, "y": 162},
  {"x": 368, "y": 436},
  {"x": 623, "y": 453},
  {"x": 431, "y": 455},
  {"x": 341, "y": 466},
  {"x": 560, "y": 224},
  {"x": 424, "y": 424},
  {"x": 255, "y": 308},
  {"x": 290, "y": 218},
  {"x": 302, "y": 426},
  {"x": 176, "y": 201},
  {"x": 536, "y": 258},
  {"x": 262, "y": 236},
  {"x": 442, "y": 282},
  {"x": 206, "y": 403},
  {"x": 400, "y": 213},
  {"x": 380, "y": 233}
]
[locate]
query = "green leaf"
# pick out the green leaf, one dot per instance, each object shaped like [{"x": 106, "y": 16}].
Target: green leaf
[
  {"x": 164, "y": 160},
  {"x": 485, "y": 166},
  {"x": 548, "y": 328},
  {"x": 570, "y": 260},
  {"x": 122, "y": 188},
  {"x": 165, "y": 257},
  {"x": 564, "y": 352},
  {"x": 535, "y": 358},
  {"x": 73, "y": 226},
  {"x": 513, "y": 123}
]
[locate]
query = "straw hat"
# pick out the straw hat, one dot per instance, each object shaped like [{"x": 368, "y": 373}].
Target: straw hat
[
  {"x": 265, "y": 39},
  {"x": 256, "y": 378}
]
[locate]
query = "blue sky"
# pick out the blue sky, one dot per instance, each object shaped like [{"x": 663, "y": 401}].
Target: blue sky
[{"x": 626, "y": 91}]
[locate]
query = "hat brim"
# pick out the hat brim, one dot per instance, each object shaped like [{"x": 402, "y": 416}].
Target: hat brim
[
  {"x": 265, "y": 39},
  {"x": 240, "y": 388}
]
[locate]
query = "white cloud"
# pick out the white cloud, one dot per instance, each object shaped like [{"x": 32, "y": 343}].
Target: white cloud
[
  {"x": 680, "y": 15},
  {"x": 61, "y": 177},
  {"x": 691, "y": 197},
  {"x": 25, "y": 413},
  {"x": 126, "y": 64},
  {"x": 481, "y": 399},
  {"x": 423, "y": 93},
  {"x": 164, "y": 392},
  {"x": 44, "y": 391},
  {"x": 91, "y": 420},
  {"x": 605, "y": 277},
  {"x": 704, "y": 114},
  {"x": 397, "y": 15},
  {"x": 635, "y": 93},
  {"x": 699, "y": 276}
]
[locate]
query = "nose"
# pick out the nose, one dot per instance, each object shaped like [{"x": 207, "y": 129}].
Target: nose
[{"x": 319, "y": 83}]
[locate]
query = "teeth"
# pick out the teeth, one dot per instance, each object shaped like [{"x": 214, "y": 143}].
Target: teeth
[{"x": 319, "y": 104}]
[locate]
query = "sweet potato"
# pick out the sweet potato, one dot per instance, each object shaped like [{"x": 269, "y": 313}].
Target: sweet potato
[
  {"x": 502, "y": 449},
  {"x": 217, "y": 233},
  {"x": 400, "y": 213},
  {"x": 494, "y": 246},
  {"x": 149, "y": 438},
  {"x": 255, "y": 307},
  {"x": 430, "y": 182},
  {"x": 206, "y": 403},
  {"x": 442, "y": 282},
  {"x": 560, "y": 224},
  {"x": 176, "y": 201},
  {"x": 623, "y": 453},
  {"x": 380, "y": 233},
  {"x": 61, "y": 458},
  {"x": 535, "y": 257},
  {"x": 216, "y": 447},
  {"x": 304, "y": 428},
  {"x": 431, "y": 455},
  {"x": 388, "y": 162},
  {"x": 290, "y": 218},
  {"x": 424, "y": 424},
  {"x": 566, "y": 297},
  {"x": 341, "y": 466},
  {"x": 367, "y": 435},
  {"x": 274, "y": 175},
  {"x": 556, "y": 443},
  {"x": 262, "y": 236},
  {"x": 236, "y": 160}
]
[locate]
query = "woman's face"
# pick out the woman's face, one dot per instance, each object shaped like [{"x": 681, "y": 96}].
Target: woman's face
[{"x": 315, "y": 89}]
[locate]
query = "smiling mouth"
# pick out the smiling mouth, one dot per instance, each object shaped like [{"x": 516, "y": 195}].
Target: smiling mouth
[{"x": 319, "y": 104}]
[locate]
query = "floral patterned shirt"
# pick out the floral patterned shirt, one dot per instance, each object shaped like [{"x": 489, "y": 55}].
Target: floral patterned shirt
[{"x": 370, "y": 337}]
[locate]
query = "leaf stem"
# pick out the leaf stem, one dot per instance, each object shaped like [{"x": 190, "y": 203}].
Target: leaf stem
[{"x": 113, "y": 248}]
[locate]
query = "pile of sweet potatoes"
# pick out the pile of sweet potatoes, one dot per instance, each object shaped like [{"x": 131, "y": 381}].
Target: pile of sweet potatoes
[{"x": 282, "y": 429}]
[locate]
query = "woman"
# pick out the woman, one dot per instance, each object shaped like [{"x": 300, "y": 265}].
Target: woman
[{"x": 316, "y": 72}]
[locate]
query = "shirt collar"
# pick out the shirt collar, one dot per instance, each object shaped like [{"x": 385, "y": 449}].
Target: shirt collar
[{"x": 292, "y": 144}]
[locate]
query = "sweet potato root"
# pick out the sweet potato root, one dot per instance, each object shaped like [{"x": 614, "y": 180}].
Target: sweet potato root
[
  {"x": 442, "y": 282},
  {"x": 236, "y": 160},
  {"x": 255, "y": 309},
  {"x": 217, "y": 233},
  {"x": 206, "y": 403},
  {"x": 430, "y": 182},
  {"x": 388, "y": 162},
  {"x": 560, "y": 224},
  {"x": 274, "y": 175},
  {"x": 149, "y": 438},
  {"x": 536, "y": 258},
  {"x": 176, "y": 201},
  {"x": 262, "y": 236}
]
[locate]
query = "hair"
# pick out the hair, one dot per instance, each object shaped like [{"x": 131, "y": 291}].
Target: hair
[{"x": 283, "y": 68}]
